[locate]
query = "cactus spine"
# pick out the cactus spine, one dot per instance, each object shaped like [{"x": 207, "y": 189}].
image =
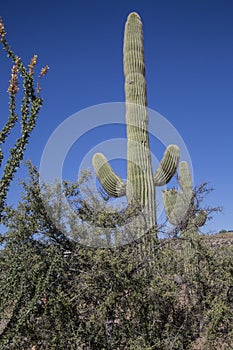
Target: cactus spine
[{"x": 140, "y": 185}]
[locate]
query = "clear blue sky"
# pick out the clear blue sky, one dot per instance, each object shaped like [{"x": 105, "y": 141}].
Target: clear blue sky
[{"x": 189, "y": 69}]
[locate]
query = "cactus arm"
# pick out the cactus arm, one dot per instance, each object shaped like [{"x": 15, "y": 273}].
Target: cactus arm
[
  {"x": 200, "y": 218},
  {"x": 168, "y": 166},
  {"x": 169, "y": 200},
  {"x": 177, "y": 204},
  {"x": 185, "y": 180},
  {"x": 112, "y": 183}
]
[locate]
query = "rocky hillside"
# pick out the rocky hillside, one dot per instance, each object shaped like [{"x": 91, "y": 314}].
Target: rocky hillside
[{"x": 220, "y": 239}]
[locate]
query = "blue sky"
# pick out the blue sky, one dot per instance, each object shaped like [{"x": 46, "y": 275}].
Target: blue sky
[{"x": 189, "y": 71}]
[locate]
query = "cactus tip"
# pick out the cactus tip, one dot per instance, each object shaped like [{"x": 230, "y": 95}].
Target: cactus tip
[{"x": 134, "y": 14}]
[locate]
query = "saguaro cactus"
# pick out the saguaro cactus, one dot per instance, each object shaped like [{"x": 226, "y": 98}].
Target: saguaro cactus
[{"x": 140, "y": 185}]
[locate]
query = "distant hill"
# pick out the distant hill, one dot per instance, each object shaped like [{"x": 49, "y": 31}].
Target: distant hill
[{"x": 220, "y": 239}]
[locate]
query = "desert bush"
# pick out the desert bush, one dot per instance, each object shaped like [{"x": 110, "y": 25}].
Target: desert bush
[{"x": 58, "y": 294}]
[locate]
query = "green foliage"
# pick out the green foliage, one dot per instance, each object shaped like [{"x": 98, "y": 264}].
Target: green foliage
[
  {"x": 30, "y": 107},
  {"x": 223, "y": 231},
  {"x": 58, "y": 294}
]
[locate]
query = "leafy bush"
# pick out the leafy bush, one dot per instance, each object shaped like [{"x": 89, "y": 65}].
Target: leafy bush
[{"x": 58, "y": 294}]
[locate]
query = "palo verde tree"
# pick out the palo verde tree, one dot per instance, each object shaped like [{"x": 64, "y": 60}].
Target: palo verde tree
[{"x": 30, "y": 107}]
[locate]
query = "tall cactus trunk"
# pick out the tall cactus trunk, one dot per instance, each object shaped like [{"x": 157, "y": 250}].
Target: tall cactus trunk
[{"x": 140, "y": 187}]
